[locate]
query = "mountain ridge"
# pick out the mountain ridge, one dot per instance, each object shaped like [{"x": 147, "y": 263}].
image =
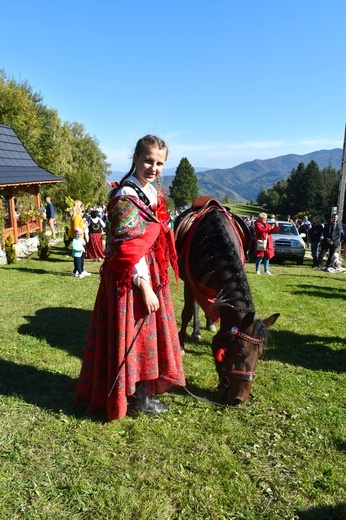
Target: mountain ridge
[{"x": 243, "y": 183}]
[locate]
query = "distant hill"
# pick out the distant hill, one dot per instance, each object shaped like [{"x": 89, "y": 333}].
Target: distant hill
[
  {"x": 242, "y": 183},
  {"x": 117, "y": 175}
]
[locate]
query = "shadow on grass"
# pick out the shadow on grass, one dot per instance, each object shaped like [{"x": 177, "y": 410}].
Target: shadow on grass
[
  {"x": 340, "y": 445},
  {"x": 306, "y": 350},
  {"x": 319, "y": 291},
  {"x": 62, "y": 327},
  {"x": 30, "y": 268},
  {"x": 323, "y": 512},
  {"x": 48, "y": 390},
  {"x": 198, "y": 349},
  {"x": 39, "y": 387}
]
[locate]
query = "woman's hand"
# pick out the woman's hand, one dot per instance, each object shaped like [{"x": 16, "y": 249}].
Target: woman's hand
[{"x": 150, "y": 299}]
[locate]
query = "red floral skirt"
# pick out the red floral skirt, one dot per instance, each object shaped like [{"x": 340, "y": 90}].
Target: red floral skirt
[
  {"x": 155, "y": 356},
  {"x": 95, "y": 247}
]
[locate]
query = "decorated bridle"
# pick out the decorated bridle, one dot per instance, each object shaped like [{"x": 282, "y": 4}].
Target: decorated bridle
[{"x": 246, "y": 375}]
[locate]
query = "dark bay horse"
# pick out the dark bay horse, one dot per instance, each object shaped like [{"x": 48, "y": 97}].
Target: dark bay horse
[{"x": 210, "y": 244}]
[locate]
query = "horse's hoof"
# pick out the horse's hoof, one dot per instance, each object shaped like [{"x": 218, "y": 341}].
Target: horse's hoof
[
  {"x": 196, "y": 338},
  {"x": 212, "y": 328}
]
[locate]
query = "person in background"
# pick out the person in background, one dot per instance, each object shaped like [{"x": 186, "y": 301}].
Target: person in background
[
  {"x": 304, "y": 229},
  {"x": 331, "y": 240},
  {"x": 86, "y": 222},
  {"x": 77, "y": 222},
  {"x": 133, "y": 349},
  {"x": 50, "y": 216},
  {"x": 315, "y": 233},
  {"x": 306, "y": 222},
  {"x": 78, "y": 249},
  {"x": 336, "y": 265},
  {"x": 76, "y": 217},
  {"x": 263, "y": 231},
  {"x": 94, "y": 248}
]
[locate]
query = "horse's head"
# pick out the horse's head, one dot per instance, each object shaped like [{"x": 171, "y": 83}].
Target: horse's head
[{"x": 236, "y": 352}]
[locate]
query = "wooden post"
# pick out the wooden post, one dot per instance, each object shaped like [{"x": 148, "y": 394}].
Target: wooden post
[
  {"x": 342, "y": 184},
  {"x": 38, "y": 204}
]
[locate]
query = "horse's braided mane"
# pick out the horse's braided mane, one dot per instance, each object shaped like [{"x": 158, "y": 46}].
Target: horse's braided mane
[{"x": 220, "y": 259}]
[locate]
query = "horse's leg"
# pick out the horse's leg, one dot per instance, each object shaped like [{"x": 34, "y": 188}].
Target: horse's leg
[
  {"x": 186, "y": 314},
  {"x": 209, "y": 325},
  {"x": 196, "y": 333}
]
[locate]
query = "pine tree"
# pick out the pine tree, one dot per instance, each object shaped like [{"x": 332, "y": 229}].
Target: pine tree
[
  {"x": 296, "y": 190},
  {"x": 314, "y": 200},
  {"x": 184, "y": 188},
  {"x": 330, "y": 189}
]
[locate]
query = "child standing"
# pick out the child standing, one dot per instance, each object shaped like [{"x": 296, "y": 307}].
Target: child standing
[{"x": 78, "y": 250}]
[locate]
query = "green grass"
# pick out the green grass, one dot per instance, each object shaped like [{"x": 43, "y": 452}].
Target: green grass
[
  {"x": 245, "y": 209},
  {"x": 284, "y": 458}
]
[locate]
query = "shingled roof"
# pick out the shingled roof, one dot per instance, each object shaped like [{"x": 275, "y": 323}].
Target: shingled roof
[{"x": 17, "y": 167}]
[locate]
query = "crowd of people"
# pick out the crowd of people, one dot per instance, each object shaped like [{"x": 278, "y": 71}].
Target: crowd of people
[{"x": 323, "y": 239}]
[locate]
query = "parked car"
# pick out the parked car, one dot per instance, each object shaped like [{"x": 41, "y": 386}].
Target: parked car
[{"x": 288, "y": 244}]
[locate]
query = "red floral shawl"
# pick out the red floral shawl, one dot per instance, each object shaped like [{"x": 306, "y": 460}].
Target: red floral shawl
[{"x": 133, "y": 231}]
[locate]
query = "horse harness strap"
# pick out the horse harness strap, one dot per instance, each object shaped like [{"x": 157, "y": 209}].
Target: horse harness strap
[
  {"x": 250, "y": 339},
  {"x": 220, "y": 405},
  {"x": 200, "y": 206},
  {"x": 246, "y": 375}
]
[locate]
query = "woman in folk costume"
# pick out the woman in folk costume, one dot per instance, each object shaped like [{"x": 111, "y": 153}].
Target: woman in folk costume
[
  {"x": 94, "y": 248},
  {"x": 263, "y": 231},
  {"x": 133, "y": 349}
]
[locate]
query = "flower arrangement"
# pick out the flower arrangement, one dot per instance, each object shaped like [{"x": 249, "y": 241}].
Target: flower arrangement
[{"x": 30, "y": 215}]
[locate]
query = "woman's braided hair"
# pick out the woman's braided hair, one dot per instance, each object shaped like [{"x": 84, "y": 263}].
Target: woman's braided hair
[{"x": 148, "y": 141}]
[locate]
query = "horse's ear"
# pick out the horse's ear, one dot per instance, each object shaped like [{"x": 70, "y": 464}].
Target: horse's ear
[
  {"x": 268, "y": 322},
  {"x": 248, "y": 320}
]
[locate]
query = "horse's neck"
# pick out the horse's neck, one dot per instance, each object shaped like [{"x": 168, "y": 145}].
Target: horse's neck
[
  {"x": 229, "y": 318},
  {"x": 239, "y": 303}
]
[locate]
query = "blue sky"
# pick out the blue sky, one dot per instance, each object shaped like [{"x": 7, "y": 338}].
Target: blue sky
[{"x": 221, "y": 82}]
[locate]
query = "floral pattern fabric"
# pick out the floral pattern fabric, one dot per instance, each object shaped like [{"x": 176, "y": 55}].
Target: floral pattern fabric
[
  {"x": 94, "y": 248},
  {"x": 121, "y": 334}
]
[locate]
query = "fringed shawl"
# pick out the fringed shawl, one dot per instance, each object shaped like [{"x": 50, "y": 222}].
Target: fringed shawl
[{"x": 134, "y": 231}]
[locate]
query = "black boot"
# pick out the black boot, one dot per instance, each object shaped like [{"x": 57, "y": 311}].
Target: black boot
[{"x": 143, "y": 403}]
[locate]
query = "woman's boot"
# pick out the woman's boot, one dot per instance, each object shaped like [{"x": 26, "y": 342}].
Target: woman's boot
[{"x": 143, "y": 403}]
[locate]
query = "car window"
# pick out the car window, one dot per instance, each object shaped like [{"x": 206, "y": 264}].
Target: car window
[{"x": 287, "y": 228}]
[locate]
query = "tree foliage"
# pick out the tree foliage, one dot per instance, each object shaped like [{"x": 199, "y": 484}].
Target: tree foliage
[
  {"x": 184, "y": 188},
  {"x": 307, "y": 190},
  {"x": 63, "y": 148}
]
